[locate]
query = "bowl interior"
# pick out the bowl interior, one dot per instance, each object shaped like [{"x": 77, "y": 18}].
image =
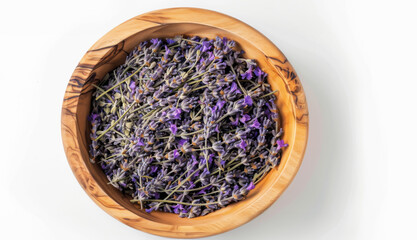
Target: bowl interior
[{"x": 116, "y": 56}]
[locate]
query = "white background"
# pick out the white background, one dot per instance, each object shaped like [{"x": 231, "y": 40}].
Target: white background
[{"x": 356, "y": 60}]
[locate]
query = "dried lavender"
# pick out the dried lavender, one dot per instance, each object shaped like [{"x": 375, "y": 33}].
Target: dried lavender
[{"x": 185, "y": 125}]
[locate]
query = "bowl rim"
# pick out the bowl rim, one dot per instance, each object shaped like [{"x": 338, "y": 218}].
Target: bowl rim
[{"x": 180, "y": 15}]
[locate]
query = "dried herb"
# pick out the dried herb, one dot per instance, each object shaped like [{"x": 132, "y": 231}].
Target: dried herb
[{"x": 185, "y": 125}]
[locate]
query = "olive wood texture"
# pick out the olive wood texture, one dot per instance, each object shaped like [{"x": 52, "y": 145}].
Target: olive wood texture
[{"x": 111, "y": 50}]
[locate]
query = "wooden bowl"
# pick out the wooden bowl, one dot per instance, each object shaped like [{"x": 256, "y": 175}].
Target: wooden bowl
[{"x": 111, "y": 50}]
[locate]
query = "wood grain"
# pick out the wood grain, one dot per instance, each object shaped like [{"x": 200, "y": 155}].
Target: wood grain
[{"x": 111, "y": 50}]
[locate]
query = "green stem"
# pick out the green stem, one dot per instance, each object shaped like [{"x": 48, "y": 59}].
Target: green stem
[
  {"x": 235, "y": 166},
  {"x": 230, "y": 163},
  {"x": 195, "y": 63},
  {"x": 175, "y": 202},
  {"x": 191, "y": 41},
  {"x": 196, "y": 81},
  {"x": 112, "y": 156},
  {"x": 268, "y": 94},
  {"x": 195, "y": 89},
  {"x": 256, "y": 179},
  {"x": 237, "y": 80},
  {"x": 124, "y": 80},
  {"x": 102, "y": 90},
  {"x": 194, "y": 189},
  {"x": 257, "y": 86},
  {"x": 236, "y": 129},
  {"x": 201, "y": 149},
  {"x": 191, "y": 133},
  {"x": 116, "y": 122},
  {"x": 182, "y": 183},
  {"x": 179, "y": 178},
  {"x": 174, "y": 46},
  {"x": 223, "y": 117},
  {"x": 210, "y": 193},
  {"x": 148, "y": 177},
  {"x": 139, "y": 108},
  {"x": 197, "y": 114},
  {"x": 121, "y": 134},
  {"x": 149, "y": 113}
]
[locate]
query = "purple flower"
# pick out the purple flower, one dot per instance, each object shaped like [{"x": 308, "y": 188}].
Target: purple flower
[
  {"x": 173, "y": 128},
  {"x": 220, "y": 104},
  {"x": 175, "y": 153},
  {"x": 176, "y": 114},
  {"x": 140, "y": 142},
  {"x": 181, "y": 142},
  {"x": 242, "y": 144},
  {"x": 170, "y": 41},
  {"x": 167, "y": 52},
  {"x": 245, "y": 118},
  {"x": 250, "y": 186},
  {"x": 233, "y": 87},
  {"x": 281, "y": 144},
  {"x": 248, "y": 100},
  {"x": 206, "y": 46},
  {"x": 154, "y": 169},
  {"x": 210, "y": 56},
  {"x": 195, "y": 162},
  {"x": 132, "y": 86},
  {"x": 258, "y": 71},
  {"x": 93, "y": 117},
  {"x": 191, "y": 90},
  {"x": 177, "y": 208},
  {"x": 154, "y": 41},
  {"x": 213, "y": 110},
  {"x": 149, "y": 210},
  {"x": 248, "y": 74},
  {"x": 235, "y": 122},
  {"x": 256, "y": 124}
]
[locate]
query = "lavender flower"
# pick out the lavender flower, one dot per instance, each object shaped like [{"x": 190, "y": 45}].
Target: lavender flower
[{"x": 185, "y": 125}]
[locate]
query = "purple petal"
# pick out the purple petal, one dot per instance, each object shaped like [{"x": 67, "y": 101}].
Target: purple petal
[
  {"x": 170, "y": 41},
  {"x": 281, "y": 144},
  {"x": 140, "y": 142},
  {"x": 245, "y": 118},
  {"x": 154, "y": 169},
  {"x": 250, "y": 186},
  {"x": 233, "y": 87},
  {"x": 132, "y": 86},
  {"x": 248, "y": 74},
  {"x": 234, "y": 123},
  {"x": 154, "y": 41},
  {"x": 258, "y": 71},
  {"x": 177, "y": 113},
  {"x": 149, "y": 210},
  {"x": 206, "y": 46},
  {"x": 256, "y": 124},
  {"x": 220, "y": 104},
  {"x": 242, "y": 145},
  {"x": 181, "y": 142},
  {"x": 248, "y": 100},
  {"x": 216, "y": 129},
  {"x": 176, "y": 154},
  {"x": 173, "y": 129}
]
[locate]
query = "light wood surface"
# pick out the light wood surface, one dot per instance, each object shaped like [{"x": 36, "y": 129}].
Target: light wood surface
[{"x": 110, "y": 51}]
